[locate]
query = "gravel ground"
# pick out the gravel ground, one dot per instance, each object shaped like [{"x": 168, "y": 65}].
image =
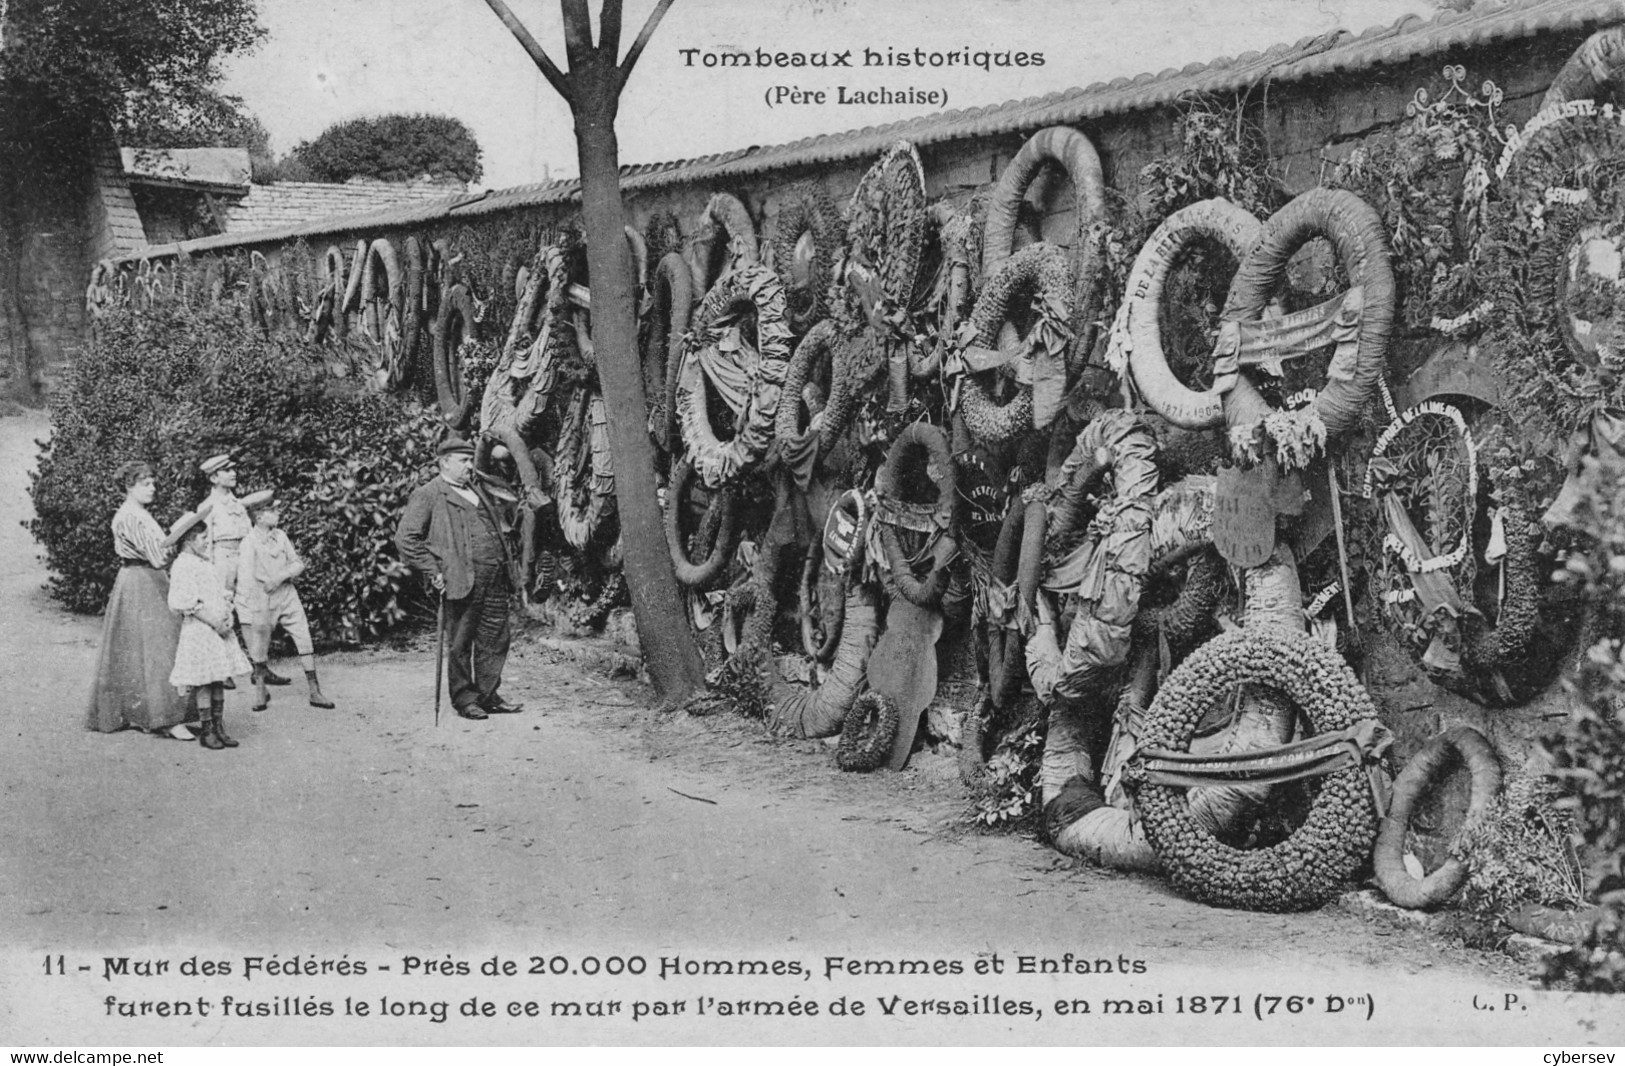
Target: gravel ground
[{"x": 589, "y": 829}]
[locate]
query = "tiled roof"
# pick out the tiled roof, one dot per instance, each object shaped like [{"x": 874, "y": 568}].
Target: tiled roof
[
  {"x": 226, "y": 167},
  {"x": 294, "y": 203},
  {"x": 122, "y": 232},
  {"x": 1331, "y": 53}
]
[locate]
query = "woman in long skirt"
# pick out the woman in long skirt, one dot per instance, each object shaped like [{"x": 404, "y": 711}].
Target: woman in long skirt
[{"x": 139, "y": 632}]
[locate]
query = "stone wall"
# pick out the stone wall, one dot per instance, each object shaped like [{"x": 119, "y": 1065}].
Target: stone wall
[
  {"x": 66, "y": 208},
  {"x": 1308, "y": 126},
  {"x": 46, "y": 262}
]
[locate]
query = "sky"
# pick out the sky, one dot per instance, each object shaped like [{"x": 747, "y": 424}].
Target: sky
[{"x": 329, "y": 60}]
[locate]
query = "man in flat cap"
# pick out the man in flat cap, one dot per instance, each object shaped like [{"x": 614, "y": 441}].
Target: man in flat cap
[
  {"x": 452, "y": 533},
  {"x": 227, "y": 518}
]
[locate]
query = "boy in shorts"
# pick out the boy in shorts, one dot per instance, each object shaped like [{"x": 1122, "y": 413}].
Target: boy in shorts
[{"x": 266, "y": 599}]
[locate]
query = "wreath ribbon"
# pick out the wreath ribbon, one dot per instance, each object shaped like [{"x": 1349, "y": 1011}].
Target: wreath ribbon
[
  {"x": 730, "y": 365},
  {"x": 917, "y": 517},
  {"x": 1269, "y": 342},
  {"x": 1361, "y": 744},
  {"x": 846, "y": 532},
  {"x": 995, "y": 601},
  {"x": 1039, "y": 360},
  {"x": 1429, "y": 582}
]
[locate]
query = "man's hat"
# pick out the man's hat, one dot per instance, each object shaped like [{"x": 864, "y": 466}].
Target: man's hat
[
  {"x": 454, "y": 446},
  {"x": 214, "y": 463}
]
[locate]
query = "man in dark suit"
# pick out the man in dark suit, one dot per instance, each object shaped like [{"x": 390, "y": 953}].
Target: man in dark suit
[{"x": 452, "y": 532}]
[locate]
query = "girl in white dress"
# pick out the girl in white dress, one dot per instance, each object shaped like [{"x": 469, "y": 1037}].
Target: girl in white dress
[{"x": 207, "y": 653}]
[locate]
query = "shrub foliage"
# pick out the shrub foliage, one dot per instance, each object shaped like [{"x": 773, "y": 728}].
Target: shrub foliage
[
  {"x": 1588, "y": 749},
  {"x": 174, "y": 385}
]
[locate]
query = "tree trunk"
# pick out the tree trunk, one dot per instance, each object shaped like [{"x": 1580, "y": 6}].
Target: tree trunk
[{"x": 669, "y": 651}]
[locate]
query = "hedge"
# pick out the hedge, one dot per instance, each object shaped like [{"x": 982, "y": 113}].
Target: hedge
[{"x": 174, "y": 385}]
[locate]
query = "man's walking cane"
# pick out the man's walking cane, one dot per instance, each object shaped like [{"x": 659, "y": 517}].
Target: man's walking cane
[{"x": 439, "y": 648}]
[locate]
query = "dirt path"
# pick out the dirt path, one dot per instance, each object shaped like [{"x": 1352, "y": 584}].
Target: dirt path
[{"x": 591, "y": 826}]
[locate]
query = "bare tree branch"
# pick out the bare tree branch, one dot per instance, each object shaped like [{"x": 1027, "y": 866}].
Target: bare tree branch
[
  {"x": 609, "y": 29},
  {"x": 642, "y": 42},
  {"x": 577, "y": 32},
  {"x": 555, "y": 77}
]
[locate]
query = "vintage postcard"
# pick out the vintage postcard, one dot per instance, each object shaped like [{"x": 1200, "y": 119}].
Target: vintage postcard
[{"x": 1046, "y": 534}]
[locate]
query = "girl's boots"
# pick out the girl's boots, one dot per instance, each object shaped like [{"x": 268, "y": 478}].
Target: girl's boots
[
  {"x": 217, "y": 710},
  {"x": 213, "y": 736}
]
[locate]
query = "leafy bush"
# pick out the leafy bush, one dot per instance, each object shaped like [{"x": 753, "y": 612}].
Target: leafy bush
[
  {"x": 175, "y": 385},
  {"x": 1429, "y": 178},
  {"x": 1520, "y": 851},
  {"x": 376, "y": 455},
  {"x": 1222, "y": 152},
  {"x": 1010, "y": 796},
  {"x": 479, "y": 359},
  {"x": 170, "y": 388},
  {"x": 1588, "y": 749}
]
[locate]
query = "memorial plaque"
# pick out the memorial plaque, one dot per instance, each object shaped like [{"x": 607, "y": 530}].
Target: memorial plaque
[{"x": 1244, "y": 516}]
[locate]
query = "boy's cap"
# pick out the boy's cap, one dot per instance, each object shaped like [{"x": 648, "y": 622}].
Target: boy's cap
[
  {"x": 259, "y": 500},
  {"x": 214, "y": 463}
]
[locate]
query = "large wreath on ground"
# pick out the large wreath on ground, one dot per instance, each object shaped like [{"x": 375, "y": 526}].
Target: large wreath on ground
[
  {"x": 1325, "y": 852},
  {"x": 1433, "y": 761},
  {"x": 867, "y": 733}
]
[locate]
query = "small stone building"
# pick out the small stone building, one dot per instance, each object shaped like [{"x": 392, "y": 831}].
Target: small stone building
[{"x": 118, "y": 202}]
